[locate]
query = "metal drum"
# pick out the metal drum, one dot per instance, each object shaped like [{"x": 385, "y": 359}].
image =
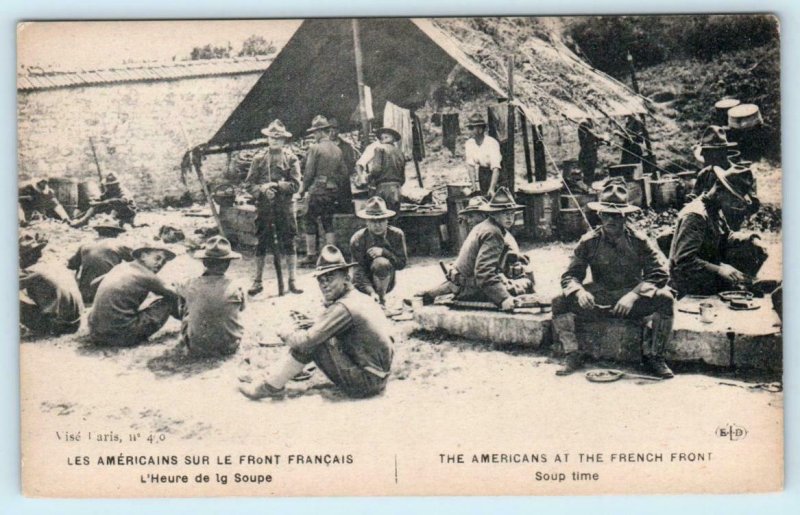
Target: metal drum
[
  {"x": 87, "y": 192},
  {"x": 666, "y": 192},
  {"x": 66, "y": 191},
  {"x": 541, "y": 201}
]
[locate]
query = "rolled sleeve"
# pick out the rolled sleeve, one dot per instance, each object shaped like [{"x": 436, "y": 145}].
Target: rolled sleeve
[{"x": 495, "y": 158}]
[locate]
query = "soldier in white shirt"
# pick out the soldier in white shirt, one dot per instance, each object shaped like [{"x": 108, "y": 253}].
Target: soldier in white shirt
[{"x": 483, "y": 156}]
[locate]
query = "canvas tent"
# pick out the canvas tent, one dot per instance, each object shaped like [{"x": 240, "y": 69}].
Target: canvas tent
[{"x": 405, "y": 61}]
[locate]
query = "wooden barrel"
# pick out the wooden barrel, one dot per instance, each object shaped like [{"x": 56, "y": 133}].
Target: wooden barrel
[
  {"x": 87, "y": 191},
  {"x": 571, "y": 224},
  {"x": 541, "y": 201},
  {"x": 666, "y": 192},
  {"x": 66, "y": 191}
]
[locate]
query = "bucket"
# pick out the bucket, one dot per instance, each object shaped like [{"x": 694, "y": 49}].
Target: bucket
[
  {"x": 627, "y": 171},
  {"x": 87, "y": 191},
  {"x": 541, "y": 201},
  {"x": 721, "y": 110},
  {"x": 666, "y": 192},
  {"x": 571, "y": 224},
  {"x": 66, "y": 191}
]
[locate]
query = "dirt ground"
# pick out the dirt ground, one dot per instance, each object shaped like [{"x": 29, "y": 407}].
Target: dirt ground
[{"x": 156, "y": 388}]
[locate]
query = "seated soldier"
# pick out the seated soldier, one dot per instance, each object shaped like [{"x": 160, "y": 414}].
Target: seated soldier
[
  {"x": 629, "y": 281},
  {"x": 50, "y": 303},
  {"x": 698, "y": 255},
  {"x": 489, "y": 265},
  {"x": 472, "y": 215},
  {"x": 37, "y": 198},
  {"x": 114, "y": 201},
  {"x": 379, "y": 250},
  {"x": 94, "y": 260},
  {"x": 350, "y": 342},
  {"x": 210, "y": 304},
  {"x": 118, "y": 318}
]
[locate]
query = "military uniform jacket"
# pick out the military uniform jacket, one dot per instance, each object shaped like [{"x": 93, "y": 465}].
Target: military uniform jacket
[
  {"x": 94, "y": 260},
  {"x": 632, "y": 263},
  {"x": 324, "y": 169},
  {"x": 388, "y": 165},
  {"x": 481, "y": 258},
  {"x": 701, "y": 235},
  {"x": 282, "y": 168}
]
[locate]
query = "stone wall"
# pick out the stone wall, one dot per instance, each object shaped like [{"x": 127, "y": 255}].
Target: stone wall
[{"x": 136, "y": 128}]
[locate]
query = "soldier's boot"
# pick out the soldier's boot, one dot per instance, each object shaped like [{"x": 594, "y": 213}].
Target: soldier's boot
[
  {"x": 291, "y": 266},
  {"x": 311, "y": 251},
  {"x": 654, "y": 352},
  {"x": 257, "y": 286},
  {"x": 275, "y": 384},
  {"x": 330, "y": 238},
  {"x": 564, "y": 332}
]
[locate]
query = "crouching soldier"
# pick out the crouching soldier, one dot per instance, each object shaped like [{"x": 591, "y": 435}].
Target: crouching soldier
[
  {"x": 114, "y": 201},
  {"x": 379, "y": 250},
  {"x": 210, "y": 304},
  {"x": 50, "y": 302},
  {"x": 350, "y": 342},
  {"x": 700, "y": 257},
  {"x": 118, "y": 318},
  {"x": 489, "y": 265},
  {"x": 629, "y": 281}
]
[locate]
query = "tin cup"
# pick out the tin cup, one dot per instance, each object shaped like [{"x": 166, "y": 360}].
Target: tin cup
[{"x": 706, "y": 312}]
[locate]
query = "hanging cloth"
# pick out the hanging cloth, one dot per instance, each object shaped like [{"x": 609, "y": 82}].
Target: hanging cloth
[
  {"x": 450, "y": 131},
  {"x": 399, "y": 119},
  {"x": 498, "y": 122}
]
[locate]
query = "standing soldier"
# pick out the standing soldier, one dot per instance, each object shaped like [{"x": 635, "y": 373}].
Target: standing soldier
[
  {"x": 629, "y": 280},
  {"x": 344, "y": 197},
  {"x": 483, "y": 156},
  {"x": 379, "y": 250},
  {"x": 273, "y": 178},
  {"x": 387, "y": 168},
  {"x": 323, "y": 174}
]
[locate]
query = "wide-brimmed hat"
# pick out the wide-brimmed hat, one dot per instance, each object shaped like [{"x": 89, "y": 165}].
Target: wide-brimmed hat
[
  {"x": 217, "y": 247},
  {"x": 110, "y": 179},
  {"x": 108, "y": 224},
  {"x": 502, "y": 200},
  {"x": 738, "y": 180},
  {"x": 613, "y": 199},
  {"x": 713, "y": 138},
  {"x": 474, "y": 205},
  {"x": 153, "y": 248},
  {"x": 330, "y": 259},
  {"x": 318, "y": 123},
  {"x": 476, "y": 119},
  {"x": 276, "y": 129},
  {"x": 388, "y": 130},
  {"x": 375, "y": 209}
]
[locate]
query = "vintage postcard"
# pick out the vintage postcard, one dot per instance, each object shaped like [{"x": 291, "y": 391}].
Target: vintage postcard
[{"x": 400, "y": 256}]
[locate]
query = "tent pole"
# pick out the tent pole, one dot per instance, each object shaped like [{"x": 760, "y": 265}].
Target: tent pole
[
  {"x": 526, "y": 145},
  {"x": 648, "y": 145},
  {"x": 511, "y": 175},
  {"x": 362, "y": 108}
]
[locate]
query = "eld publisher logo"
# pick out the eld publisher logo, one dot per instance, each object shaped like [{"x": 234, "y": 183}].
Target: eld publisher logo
[{"x": 732, "y": 432}]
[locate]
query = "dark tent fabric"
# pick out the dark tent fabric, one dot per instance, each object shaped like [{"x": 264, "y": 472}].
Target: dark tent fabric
[
  {"x": 315, "y": 74},
  {"x": 405, "y": 60}
]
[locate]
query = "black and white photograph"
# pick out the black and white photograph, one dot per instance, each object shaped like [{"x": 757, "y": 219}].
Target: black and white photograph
[{"x": 400, "y": 256}]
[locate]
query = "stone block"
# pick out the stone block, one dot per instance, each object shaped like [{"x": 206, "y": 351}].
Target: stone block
[
  {"x": 709, "y": 347},
  {"x": 529, "y": 330},
  {"x": 611, "y": 338},
  {"x": 760, "y": 352}
]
